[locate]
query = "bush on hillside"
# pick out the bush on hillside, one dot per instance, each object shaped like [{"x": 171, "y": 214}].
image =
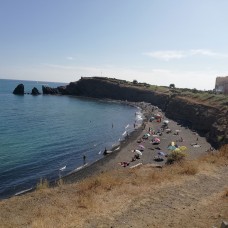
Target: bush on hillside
[{"x": 175, "y": 156}]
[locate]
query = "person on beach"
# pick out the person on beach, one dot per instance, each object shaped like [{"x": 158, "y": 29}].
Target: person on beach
[
  {"x": 124, "y": 164},
  {"x": 84, "y": 159},
  {"x": 105, "y": 151}
]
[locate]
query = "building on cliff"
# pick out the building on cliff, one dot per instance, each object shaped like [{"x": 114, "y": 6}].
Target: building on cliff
[{"x": 221, "y": 85}]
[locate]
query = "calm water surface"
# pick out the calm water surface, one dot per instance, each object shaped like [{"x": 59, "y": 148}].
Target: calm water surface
[{"x": 41, "y": 134}]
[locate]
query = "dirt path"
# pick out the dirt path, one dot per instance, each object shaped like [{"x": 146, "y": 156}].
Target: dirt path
[{"x": 190, "y": 202}]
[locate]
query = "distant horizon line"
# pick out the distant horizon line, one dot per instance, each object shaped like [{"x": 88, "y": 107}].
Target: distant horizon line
[{"x": 12, "y": 79}]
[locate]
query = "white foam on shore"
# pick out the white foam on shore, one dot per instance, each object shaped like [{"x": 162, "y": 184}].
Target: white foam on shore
[
  {"x": 24, "y": 191},
  {"x": 124, "y": 133},
  {"x": 80, "y": 167},
  {"x": 64, "y": 167}
]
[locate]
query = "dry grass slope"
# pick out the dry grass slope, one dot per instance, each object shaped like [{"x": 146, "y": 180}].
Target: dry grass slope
[{"x": 101, "y": 197}]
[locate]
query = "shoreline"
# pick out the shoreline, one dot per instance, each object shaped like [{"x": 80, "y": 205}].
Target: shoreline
[
  {"x": 97, "y": 166},
  {"x": 111, "y": 161},
  {"x": 83, "y": 171}
]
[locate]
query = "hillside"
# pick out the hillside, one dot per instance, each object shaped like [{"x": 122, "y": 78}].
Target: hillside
[{"x": 183, "y": 195}]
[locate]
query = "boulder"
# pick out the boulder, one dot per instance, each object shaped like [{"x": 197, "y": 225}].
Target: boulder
[
  {"x": 19, "y": 90},
  {"x": 35, "y": 91}
]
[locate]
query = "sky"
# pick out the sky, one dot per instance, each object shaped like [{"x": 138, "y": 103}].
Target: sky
[{"x": 160, "y": 42}]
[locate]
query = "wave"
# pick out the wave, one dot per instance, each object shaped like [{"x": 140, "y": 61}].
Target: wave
[{"x": 124, "y": 133}]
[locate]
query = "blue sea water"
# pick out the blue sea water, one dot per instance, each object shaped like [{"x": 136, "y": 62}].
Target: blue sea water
[{"x": 41, "y": 134}]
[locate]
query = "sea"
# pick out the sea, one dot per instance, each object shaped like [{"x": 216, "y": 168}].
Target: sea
[{"x": 47, "y": 137}]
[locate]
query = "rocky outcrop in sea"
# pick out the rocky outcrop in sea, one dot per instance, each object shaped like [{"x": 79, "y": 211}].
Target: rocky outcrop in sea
[
  {"x": 19, "y": 90},
  {"x": 35, "y": 91}
]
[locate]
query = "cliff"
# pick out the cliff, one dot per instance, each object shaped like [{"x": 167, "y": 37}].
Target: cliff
[{"x": 211, "y": 121}]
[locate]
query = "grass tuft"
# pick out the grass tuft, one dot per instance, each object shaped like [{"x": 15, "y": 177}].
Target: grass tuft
[
  {"x": 189, "y": 168},
  {"x": 175, "y": 156},
  {"x": 43, "y": 184},
  {"x": 60, "y": 182},
  {"x": 218, "y": 157}
]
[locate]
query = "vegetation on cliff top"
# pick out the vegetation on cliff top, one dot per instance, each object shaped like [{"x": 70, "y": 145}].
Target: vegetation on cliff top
[{"x": 208, "y": 97}]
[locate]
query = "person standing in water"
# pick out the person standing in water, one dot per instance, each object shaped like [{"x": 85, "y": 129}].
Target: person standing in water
[{"x": 84, "y": 159}]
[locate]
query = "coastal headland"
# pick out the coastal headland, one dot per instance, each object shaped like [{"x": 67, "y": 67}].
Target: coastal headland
[{"x": 203, "y": 112}]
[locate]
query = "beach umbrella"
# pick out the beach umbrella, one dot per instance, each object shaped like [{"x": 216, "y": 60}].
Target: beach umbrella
[
  {"x": 138, "y": 152},
  {"x": 196, "y": 145},
  {"x": 177, "y": 150},
  {"x": 141, "y": 146},
  {"x": 158, "y": 116},
  {"x": 145, "y": 136},
  {"x": 161, "y": 153},
  {"x": 157, "y": 140},
  {"x": 166, "y": 121},
  {"x": 182, "y": 148},
  {"x": 171, "y": 147}
]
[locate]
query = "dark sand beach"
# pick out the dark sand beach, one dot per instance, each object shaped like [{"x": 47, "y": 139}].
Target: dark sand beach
[{"x": 123, "y": 152}]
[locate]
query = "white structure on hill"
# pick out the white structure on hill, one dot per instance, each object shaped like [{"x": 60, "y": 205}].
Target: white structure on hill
[{"x": 221, "y": 85}]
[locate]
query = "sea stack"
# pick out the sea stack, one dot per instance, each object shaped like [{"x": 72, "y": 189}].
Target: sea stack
[
  {"x": 35, "y": 91},
  {"x": 19, "y": 90}
]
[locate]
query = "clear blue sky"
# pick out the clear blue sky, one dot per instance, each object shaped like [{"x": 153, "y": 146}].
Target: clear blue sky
[{"x": 155, "y": 41}]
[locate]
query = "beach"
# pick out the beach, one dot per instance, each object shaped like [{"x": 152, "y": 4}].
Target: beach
[{"x": 122, "y": 154}]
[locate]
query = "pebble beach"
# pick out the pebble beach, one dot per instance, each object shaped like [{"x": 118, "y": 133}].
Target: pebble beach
[{"x": 122, "y": 155}]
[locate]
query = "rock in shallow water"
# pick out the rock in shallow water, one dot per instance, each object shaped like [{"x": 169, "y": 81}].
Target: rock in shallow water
[
  {"x": 35, "y": 91},
  {"x": 19, "y": 90}
]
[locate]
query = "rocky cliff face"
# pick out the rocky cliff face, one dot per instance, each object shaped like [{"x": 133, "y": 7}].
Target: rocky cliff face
[
  {"x": 209, "y": 121},
  {"x": 116, "y": 89},
  {"x": 49, "y": 90}
]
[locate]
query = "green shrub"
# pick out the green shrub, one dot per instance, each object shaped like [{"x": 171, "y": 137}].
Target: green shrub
[
  {"x": 175, "y": 156},
  {"x": 43, "y": 184}
]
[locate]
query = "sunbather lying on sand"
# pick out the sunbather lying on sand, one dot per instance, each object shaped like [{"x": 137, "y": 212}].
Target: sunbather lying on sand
[{"x": 124, "y": 164}]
